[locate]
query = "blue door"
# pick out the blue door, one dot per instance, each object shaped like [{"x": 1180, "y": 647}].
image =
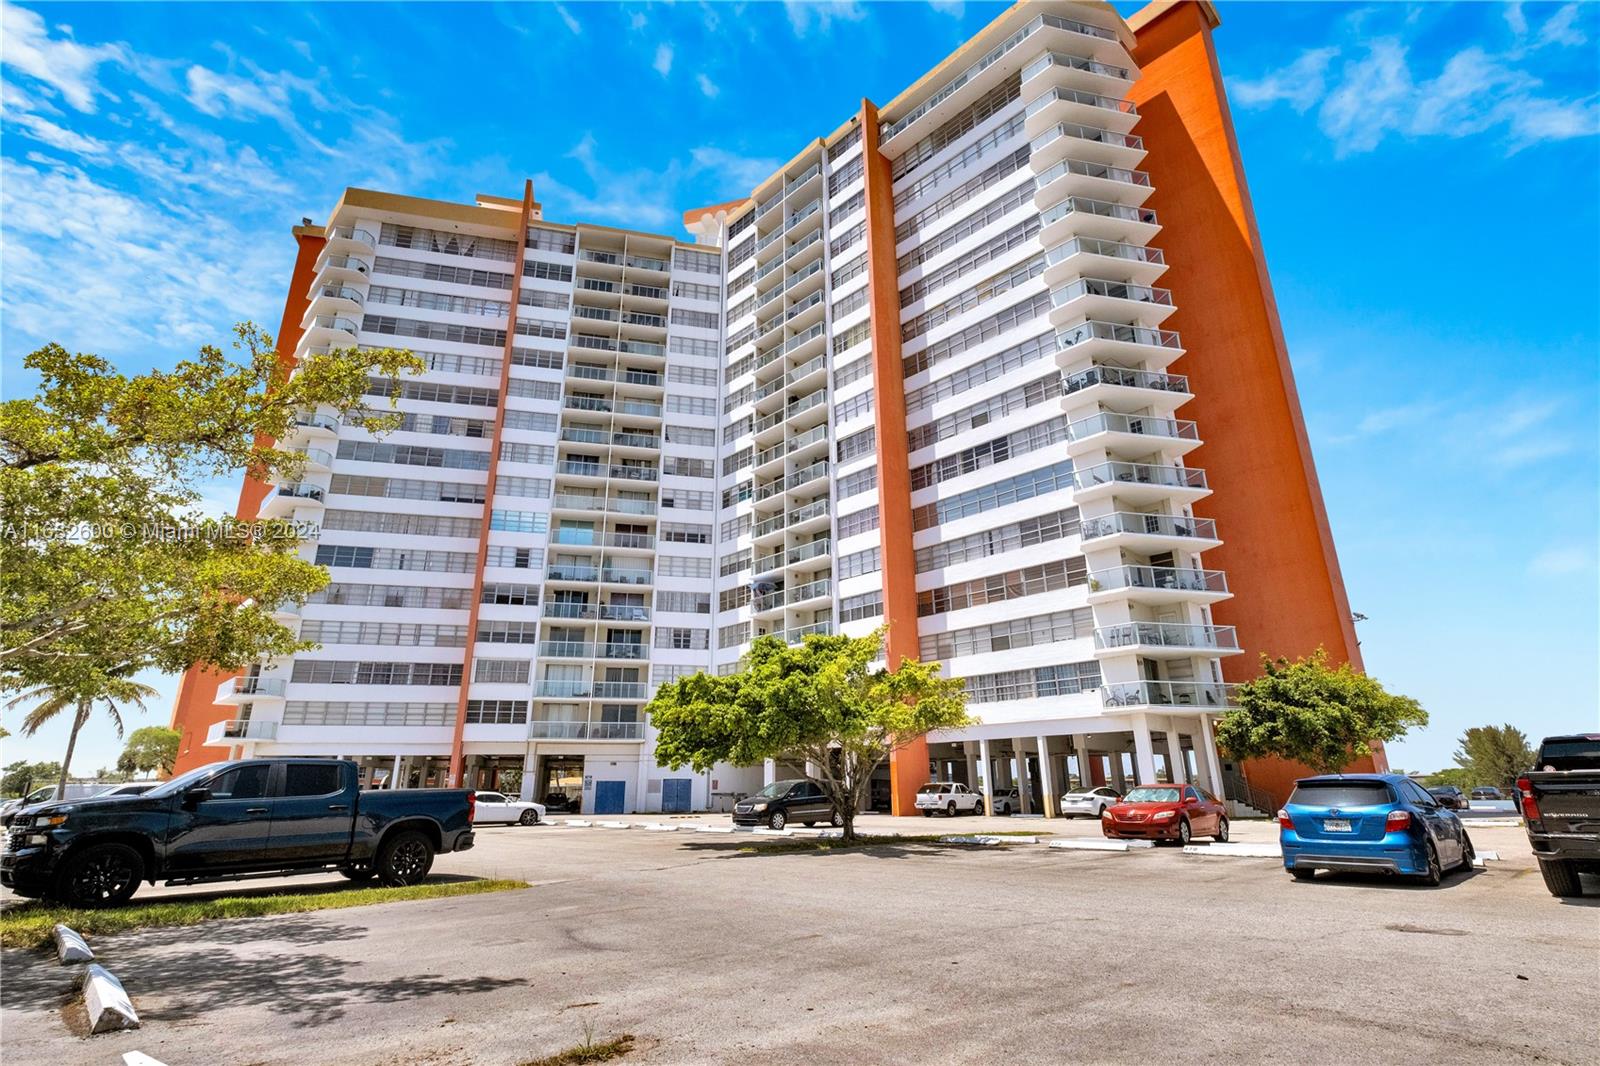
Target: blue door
[
  {"x": 675, "y": 795},
  {"x": 608, "y": 796}
]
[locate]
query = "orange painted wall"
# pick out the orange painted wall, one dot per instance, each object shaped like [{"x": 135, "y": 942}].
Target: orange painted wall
[
  {"x": 1288, "y": 594},
  {"x": 195, "y": 710},
  {"x": 908, "y": 765}
]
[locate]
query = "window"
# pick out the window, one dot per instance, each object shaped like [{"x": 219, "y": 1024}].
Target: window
[
  {"x": 856, "y": 406},
  {"x": 1009, "y": 635},
  {"x": 995, "y": 588},
  {"x": 858, "y": 482},
  {"x": 1032, "y": 394},
  {"x": 681, "y": 639},
  {"x": 735, "y": 562},
  {"x": 858, "y": 563},
  {"x": 698, "y": 262},
  {"x": 692, "y": 346},
  {"x": 858, "y": 444},
  {"x": 242, "y": 782},
  {"x": 497, "y": 712},
  {"x": 447, "y": 243},
  {"x": 678, "y": 533},
  {"x": 734, "y": 635},
  {"x": 1025, "y": 312},
  {"x": 310, "y": 779},
  {"x": 692, "y": 405},
  {"x": 693, "y": 291},
  {"x": 981, "y": 545},
  {"x": 999, "y": 494},
  {"x": 683, "y": 602},
  {"x": 1043, "y": 681},
  {"x": 734, "y": 598},
  {"x": 858, "y": 522},
  {"x": 1021, "y": 442},
  {"x": 682, "y": 566},
  {"x": 692, "y": 436},
  {"x": 1031, "y": 350},
  {"x": 693, "y": 375},
  {"x": 500, "y": 671},
  {"x": 682, "y": 316},
  {"x": 867, "y": 605}
]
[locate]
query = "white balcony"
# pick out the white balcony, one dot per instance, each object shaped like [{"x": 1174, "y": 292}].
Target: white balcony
[
  {"x": 349, "y": 240},
  {"x": 330, "y": 331},
  {"x": 334, "y": 298},
  {"x": 1097, "y": 181},
  {"x": 239, "y": 731},
  {"x": 315, "y": 424},
  {"x": 1109, "y": 300},
  {"x": 286, "y": 500},
  {"x": 1107, "y": 220},
  {"x": 1062, "y": 70},
  {"x": 334, "y": 268},
  {"x": 1148, "y": 534},
  {"x": 1166, "y": 695},
  {"x": 1087, "y": 142},
  {"x": 1157, "y": 585},
  {"x": 1165, "y": 640},
  {"x": 1142, "y": 484},
  {"x": 567, "y": 729},
  {"x": 1079, "y": 107},
  {"x": 1115, "y": 432},
  {"x": 1116, "y": 343},
  {"x": 1119, "y": 387},
  {"x": 238, "y": 690},
  {"x": 1091, "y": 257}
]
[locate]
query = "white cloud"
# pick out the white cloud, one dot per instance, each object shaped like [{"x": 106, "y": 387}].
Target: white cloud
[
  {"x": 806, "y": 15},
  {"x": 637, "y": 20},
  {"x": 1301, "y": 84},
  {"x": 1516, "y": 19},
  {"x": 663, "y": 59},
  {"x": 1560, "y": 28},
  {"x": 637, "y": 198},
  {"x": 65, "y": 67},
  {"x": 707, "y": 87},
  {"x": 219, "y": 95},
  {"x": 566, "y": 16},
  {"x": 1562, "y": 562},
  {"x": 736, "y": 173},
  {"x": 953, "y": 8},
  {"x": 43, "y": 130}
]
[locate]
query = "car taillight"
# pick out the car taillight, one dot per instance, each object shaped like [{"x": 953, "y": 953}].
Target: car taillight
[
  {"x": 1530, "y": 805},
  {"x": 472, "y": 806},
  {"x": 1284, "y": 821},
  {"x": 1396, "y": 820}
]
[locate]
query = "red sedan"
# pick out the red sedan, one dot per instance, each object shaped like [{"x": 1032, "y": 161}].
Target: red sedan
[{"x": 1166, "y": 812}]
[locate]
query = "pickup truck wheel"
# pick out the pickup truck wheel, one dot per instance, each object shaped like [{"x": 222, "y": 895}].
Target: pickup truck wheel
[
  {"x": 529, "y": 817},
  {"x": 1561, "y": 878},
  {"x": 950, "y": 809},
  {"x": 927, "y": 814},
  {"x": 101, "y": 875},
  {"x": 358, "y": 873},
  {"x": 405, "y": 858}
]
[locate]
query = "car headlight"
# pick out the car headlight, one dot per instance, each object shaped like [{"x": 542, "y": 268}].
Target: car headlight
[
  {"x": 1163, "y": 815},
  {"x": 1106, "y": 812},
  {"x": 38, "y": 840},
  {"x": 758, "y": 806},
  {"x": 49, "y": 821}
]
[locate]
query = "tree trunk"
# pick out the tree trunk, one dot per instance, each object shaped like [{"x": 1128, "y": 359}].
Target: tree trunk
[
  {"x": 72, "y": 741},
  {"x": 849, "y": 814}
]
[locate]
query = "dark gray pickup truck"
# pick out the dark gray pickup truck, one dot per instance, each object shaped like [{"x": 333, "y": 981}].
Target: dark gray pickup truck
[
  {"x": 1560, "y": 801},
  {"x": 232, "y": 820}
]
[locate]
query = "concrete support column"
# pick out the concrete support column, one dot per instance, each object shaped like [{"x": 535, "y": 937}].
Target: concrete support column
[
  {"x": 1208, "y": 742},
  {"x": 1144, "y": 756},
  {"x": 988, "y": 773},
  {"x": 394, "y": 775},
  {"x": 1177, "y": 769},
  {"x": 972, "y": 766},
  {"x": 1118, "y": 779},
  {"x": 1046, "y": 787},
  {"x": 769, "y": 771},
  {"x": 811, "y": 769},
  {"x": 1080, "y": 750},
  {"x": 1024, "y": 779},
  {"x": 530, "y": 770}
]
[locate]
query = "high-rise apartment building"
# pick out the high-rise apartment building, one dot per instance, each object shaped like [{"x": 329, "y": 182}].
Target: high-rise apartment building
[{"x": 996, "y": 363}]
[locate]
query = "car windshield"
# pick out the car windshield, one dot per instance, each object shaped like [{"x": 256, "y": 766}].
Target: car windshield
[
  {"x": 1341, "y": 794},
  {"x": 776, "y": 789},
  {"x": 1152, "y": 795},
  {"x": 183, "y": 781}
]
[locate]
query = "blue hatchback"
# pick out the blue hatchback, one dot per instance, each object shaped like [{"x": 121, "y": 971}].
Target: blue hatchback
[{"x": 1374, "y": 822}]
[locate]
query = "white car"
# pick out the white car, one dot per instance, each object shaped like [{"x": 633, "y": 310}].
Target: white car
[
  {"x": 1088, "y": 802},
  {"x": 1007, "y": 801},
  {"x": 496, "y": 807},
  {"x": 948, "y": 796}
]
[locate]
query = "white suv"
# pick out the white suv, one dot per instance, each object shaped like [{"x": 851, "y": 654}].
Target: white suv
[{"x": 949, "y": 797}]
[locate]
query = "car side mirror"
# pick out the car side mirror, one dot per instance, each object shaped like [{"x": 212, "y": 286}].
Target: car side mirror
[{"x": 196, "y": 796}]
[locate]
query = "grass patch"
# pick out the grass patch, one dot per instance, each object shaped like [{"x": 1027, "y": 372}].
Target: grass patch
[
  {"x": 588, "y": 1051},
  {"x": 28, "y": 925},
  {"x": 873, "y": 840}
]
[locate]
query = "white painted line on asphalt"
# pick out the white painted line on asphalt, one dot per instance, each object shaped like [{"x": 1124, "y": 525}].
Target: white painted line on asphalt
[
  {"x": 70, "y": 947},
  {"x": 1100, "y": 845},
  {"x": 107, "y": 1002},
  {"x": 1235, "y": 851},
  {"x": 579, "y": 823}
]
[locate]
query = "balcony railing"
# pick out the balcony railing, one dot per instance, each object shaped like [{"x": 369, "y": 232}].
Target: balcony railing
[
  {"x": 238, "y": 729},
  {"x": 623, "y": 576},
  {"x": 624, "y": 612},
  {"x": 336, "y": 322},
  {"x": 799, "y": 633},
  {"x": 1112, "y": 331},
  {"x": 1139, "y": 425},
  {"x": 1158, "y": 525},
  {"x": 301, "y": 492},
  {"x": 1169, "y": 694},
  {"x": 351, "y": 233},
  {"x": 1176, "y": 579},
  {"x": 1114, "y": 290},
  {"x": 810, "y": 551},
  {"x": 1136, "y": 253},
  {"x": 558, "y": 609},
  {"x": 1166, "y": 635},
  {"x": 566, "y": 649},
  {"x": 251, "y": 686},
  {"x": 1092, "y": 170},
  {"x": 1177, "y": 477},
  {"x": 809, "y": 591},
  {"x": 1087, "y": 133},
  {"x": 1101, "y": 374},
  {"x": 1083, "y": 205},
  {"x": 1080, "y": 96},
  {"x": 316, "y": 420},
  {"x": 586, "y": 730},
  {"x": 1071, "y": 62},
  {"x": 622, "y": 651},
  {"x": 569, "y": 572},
  {"x": 341, "y": 292}
]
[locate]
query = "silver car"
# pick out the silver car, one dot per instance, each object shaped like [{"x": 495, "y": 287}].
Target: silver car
[{"x": 1088, "y": 802}]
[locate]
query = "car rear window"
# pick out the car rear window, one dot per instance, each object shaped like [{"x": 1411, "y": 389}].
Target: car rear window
[
  {"x": 1580, "y": 753},
  {"x": 1342, "y": 794}
]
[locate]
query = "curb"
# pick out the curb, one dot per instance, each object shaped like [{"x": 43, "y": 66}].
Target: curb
[
  {"x": 714, "y": 829},
  {"x": 139, "y": 1058},
  {"x": 70, "y": 947},
  {"x": 657, "y": 827},
  {"x": 1235, "y": 851},
  {"x": 578, "y": 823},
  {"x": 763, "y": 831},
  {"x": 616, "y": 825},
  {"x": 107, "y": 1002},
  {"x": 988, "y": 842},
  {"x": 1101, "y": 845}
]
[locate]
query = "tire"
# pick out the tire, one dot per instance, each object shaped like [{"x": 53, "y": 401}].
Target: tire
[
  {"x": 1302, "y": 875},
  {"x": 100, "y": 875},
  {"x": 404, "y": 858},
  {"x": 1469, "y": 854},
  {"x": 1005, "y": 808},
  {"x": 808, "y": 825},
  {"x": 837, "y": 821},
  {"x": 357, "y": 873},
  {"x": 1435, "y": 873},
  {"x": 529, "y": 817},
  {"x": 1221, "y": 835},
  {"x": 927, "y": 814},
  {"x": 1185, "y": 832},
  {"x": 950, "y": 809},
  {"x": 777, "y": 820},
  {"x": 1561, "y": 878}
]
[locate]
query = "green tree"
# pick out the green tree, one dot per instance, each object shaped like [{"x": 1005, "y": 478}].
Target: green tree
[
  {"x": 21, "y": 777},
  {"x": 51, "y": 702},
  {"x": 821, "y": 702},
  {"x": 150, "y": 749},
  {"x": 1462, "y": 779},
  {"x": 104, "y": 569},
  {"x": 1306, "y": 711},
  {"x": 1493, "y": 755}
]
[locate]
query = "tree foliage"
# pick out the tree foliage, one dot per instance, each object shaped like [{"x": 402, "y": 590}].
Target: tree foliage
[
  {"x": 22, "y": 777},
  {"x": 1306, "y": 711},
  {"x": 821, "y": 701},
  {"x": 1456, "y": 776},
  {"x": 104, "y": 568},
  {"x": 51, "y": 701},
  {"x": 151, "y": 749},
  {"x": 1494, "y": 755}
]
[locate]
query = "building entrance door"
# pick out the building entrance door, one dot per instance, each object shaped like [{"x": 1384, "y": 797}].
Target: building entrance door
[{"x": 562, "y": 783}]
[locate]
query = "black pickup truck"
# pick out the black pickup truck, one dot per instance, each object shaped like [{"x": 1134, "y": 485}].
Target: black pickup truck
[
  {"x": 1560, "y": 801},
  {"x": 231, "y": 820}
]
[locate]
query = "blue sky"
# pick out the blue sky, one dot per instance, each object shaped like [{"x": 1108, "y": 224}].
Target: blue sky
[{"x": 1426, "y": 178}]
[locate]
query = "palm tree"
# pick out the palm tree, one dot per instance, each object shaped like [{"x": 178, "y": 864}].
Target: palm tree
[{"x": 55, "y": 700}]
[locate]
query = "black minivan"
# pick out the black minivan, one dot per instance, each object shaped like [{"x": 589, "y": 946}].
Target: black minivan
[{"x": 783, "y": 802}]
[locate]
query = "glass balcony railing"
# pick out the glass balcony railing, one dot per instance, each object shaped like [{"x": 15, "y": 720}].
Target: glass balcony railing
[
  {"x": 624, "y": 612},
  {"x": 570, "y": 572},
  {"x": 1083, "y": 205},
  {"x": 301, "y": 492},
  {"x": 1086, "y": 133},
  {"x": 315, "y": 420},
  {"x": 1092, "y": 170},
  {"x": 810, "y": 551},
  {"x": 1117, "y": 332},
  {"x": 340, "y": 292},
  {"x": 336, "y": 322},
  {"x": 612, "y": 575},
  {"x": 622, "y": 651},
  {"x": 1166, "y": 635},
  {"x": 1122, "y": 377},
  {"x": 351, "y": 233},
  {"x": 1155, "y": 525},
  {"x": 570, "y": 730},
  {"x": 1165, "y": 578},
  {"x": 1080, "y": 96},
  {"x": 1169, "y": 694},
  {"x": 809, "y": 591},
  {"x": 558, "y": 609},
  {"x": 258, "y": 686},
  {"x": 1135, "y": 253},
  {"x": 1072, "y": 62},
  {"x": 1138, "y": 425},
  {"x": 1114, "y": 473},
  {"x": 1112, "y": 290},
  {"x": 799, "y": 633}
]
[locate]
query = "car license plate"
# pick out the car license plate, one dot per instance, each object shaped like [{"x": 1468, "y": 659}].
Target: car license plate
[{"x": 1336, "y": 825}]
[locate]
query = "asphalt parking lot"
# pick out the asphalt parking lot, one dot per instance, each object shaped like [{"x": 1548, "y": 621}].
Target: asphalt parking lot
[{"x": 713, "y": 949}]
